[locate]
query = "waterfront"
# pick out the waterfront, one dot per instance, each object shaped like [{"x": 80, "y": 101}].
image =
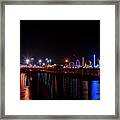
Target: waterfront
[
  {"x": 49, "y": 86},
  {"x": 59, "y": 59}
]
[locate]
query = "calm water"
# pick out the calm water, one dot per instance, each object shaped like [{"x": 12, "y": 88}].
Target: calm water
[{"x": 47, "y": 86}]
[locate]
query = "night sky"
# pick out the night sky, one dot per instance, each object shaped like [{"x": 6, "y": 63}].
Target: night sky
[{"x": 59, "y": 39}]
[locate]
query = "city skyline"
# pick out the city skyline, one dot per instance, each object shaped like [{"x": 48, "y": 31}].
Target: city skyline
[
  {"x": 95, "y": 62},
  {"x": 59, "y": 39}
]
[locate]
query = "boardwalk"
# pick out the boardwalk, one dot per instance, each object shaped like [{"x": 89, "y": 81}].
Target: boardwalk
[{"x": 67, "y": 71}]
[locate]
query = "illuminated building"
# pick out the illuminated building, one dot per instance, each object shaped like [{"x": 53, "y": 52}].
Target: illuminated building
[
  {"x": 98, "y": 63},
  {"x": 83, "y": 61},
  {"x": 88, "y": 64},
  {"x": 71, "y": 64},
  {"x": 77, "y": 63}
]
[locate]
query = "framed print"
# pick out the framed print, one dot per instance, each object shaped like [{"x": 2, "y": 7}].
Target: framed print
[{"x": 60, "y": 59}]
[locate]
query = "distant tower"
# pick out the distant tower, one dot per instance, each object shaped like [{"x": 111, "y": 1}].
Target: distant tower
[
  {"x": 78, "y": 63},
  {"x": 94, "y": 61},
  {"x": 83, "y": 61}
]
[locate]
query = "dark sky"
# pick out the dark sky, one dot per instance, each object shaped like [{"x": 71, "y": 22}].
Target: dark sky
[{"x": 59, "y": 39}]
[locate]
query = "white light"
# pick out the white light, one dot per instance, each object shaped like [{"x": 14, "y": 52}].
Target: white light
[
  {"x": 27, "y": 61},
  {"x": 43, "y": 63},
  {"x": 50, "y": 60},
  {"x": 66, "y": 60},
  {"x": 40, "y": 61},
  {"x": 32, "y": 58},
  {"x": 46, "y": 59}
]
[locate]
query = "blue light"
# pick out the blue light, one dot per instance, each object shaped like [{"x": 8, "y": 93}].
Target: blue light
[{"x": 95, "y": 95}]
